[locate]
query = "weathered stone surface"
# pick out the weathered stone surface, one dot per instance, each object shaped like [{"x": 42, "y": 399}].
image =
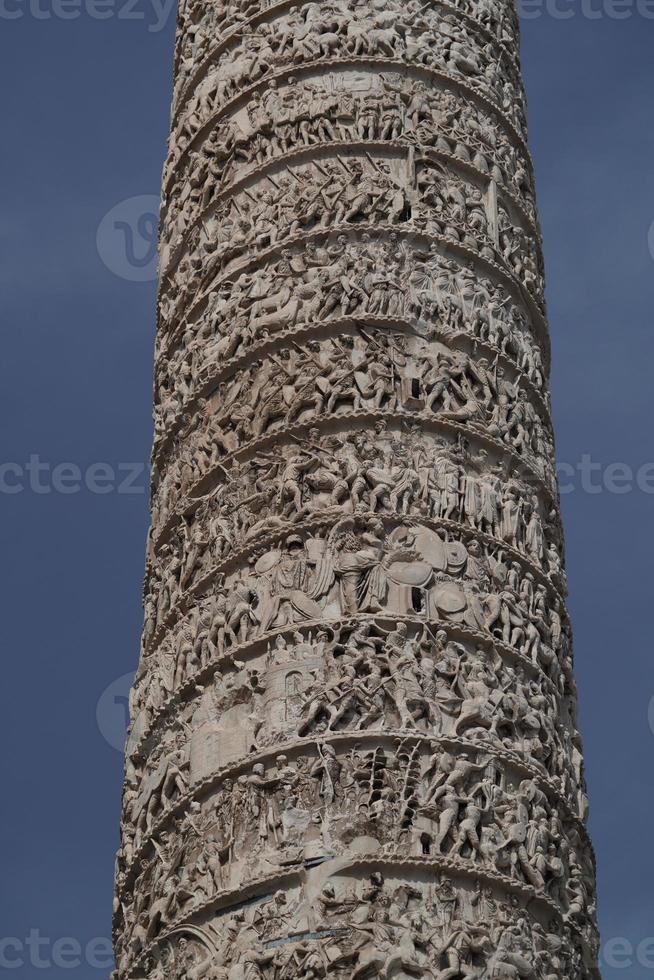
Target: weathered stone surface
[{"x": 354, "y": 749}]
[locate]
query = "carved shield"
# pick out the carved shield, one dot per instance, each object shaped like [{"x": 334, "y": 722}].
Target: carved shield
[
  {"x": 413, "y": 573},
  {"x": 432, "y": 549},
  {"x": 457, "y": 555},
  {"x": 267, "y": 562},
  {"x": 363, "y": 383},
  {"x": 449, "y": 598},
  {"x": 305, "y": 606}
]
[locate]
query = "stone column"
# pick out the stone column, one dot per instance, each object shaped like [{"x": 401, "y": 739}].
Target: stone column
[{"x": 354, "y": 750}]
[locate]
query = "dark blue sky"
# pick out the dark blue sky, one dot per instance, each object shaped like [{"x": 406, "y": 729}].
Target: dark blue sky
[{"x": 84, "y": 111}]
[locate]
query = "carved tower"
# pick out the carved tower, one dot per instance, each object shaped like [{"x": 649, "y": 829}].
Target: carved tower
[{"x": 354, "y": 750}]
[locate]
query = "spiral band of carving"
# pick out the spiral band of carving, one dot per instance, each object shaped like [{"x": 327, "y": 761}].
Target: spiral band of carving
[{"x": 354, "y": 749}]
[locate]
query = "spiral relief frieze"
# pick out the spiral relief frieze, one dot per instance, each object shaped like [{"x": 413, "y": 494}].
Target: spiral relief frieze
[{"x": 354, "y": 748}]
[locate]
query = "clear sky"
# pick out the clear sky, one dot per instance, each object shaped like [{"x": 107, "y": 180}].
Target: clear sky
[{"x": 84, "y": 109}]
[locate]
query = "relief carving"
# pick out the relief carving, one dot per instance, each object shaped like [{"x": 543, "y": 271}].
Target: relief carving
[{"x": 354, "y": 749}]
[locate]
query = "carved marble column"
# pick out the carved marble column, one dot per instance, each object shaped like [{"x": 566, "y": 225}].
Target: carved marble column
[{"x": 354, "y": 749}]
